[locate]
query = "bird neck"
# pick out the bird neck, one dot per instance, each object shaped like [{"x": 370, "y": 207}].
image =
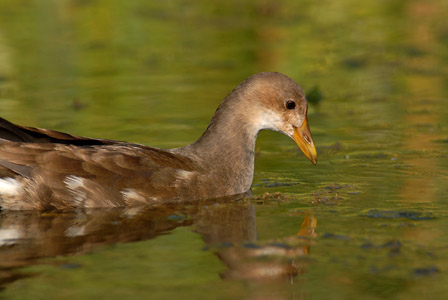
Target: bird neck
[{"x": 227, "y": 147}]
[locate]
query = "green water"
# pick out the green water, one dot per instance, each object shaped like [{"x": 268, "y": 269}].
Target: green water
[{"x": 370, "y": 221}]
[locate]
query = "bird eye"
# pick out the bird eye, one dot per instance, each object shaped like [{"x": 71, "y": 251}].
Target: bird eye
[{"x": 290, "y": 104}]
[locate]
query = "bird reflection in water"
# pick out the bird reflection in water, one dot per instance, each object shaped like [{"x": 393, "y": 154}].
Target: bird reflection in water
[{"x": 227, "y": 226}]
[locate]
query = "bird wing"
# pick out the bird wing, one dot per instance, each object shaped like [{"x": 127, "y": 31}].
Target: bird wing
[
  {"x": 16, "y": 133},
  {"x": 48, "y": 169}
]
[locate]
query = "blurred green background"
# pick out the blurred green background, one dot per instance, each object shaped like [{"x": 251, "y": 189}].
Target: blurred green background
[{"x": 153, "y": 72}]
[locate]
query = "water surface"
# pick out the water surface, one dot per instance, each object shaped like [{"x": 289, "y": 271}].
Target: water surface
[{"x": 370, "y": 221}]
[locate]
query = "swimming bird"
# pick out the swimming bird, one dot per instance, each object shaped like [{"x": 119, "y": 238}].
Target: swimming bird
[{"x": 46, "y": 169}]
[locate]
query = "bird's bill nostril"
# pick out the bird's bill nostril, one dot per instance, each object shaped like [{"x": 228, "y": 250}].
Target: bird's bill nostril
[{"x": 302, "y": 137}]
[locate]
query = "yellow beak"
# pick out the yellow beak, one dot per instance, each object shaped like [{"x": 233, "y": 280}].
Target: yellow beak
[{"x": 302, "y": 137}]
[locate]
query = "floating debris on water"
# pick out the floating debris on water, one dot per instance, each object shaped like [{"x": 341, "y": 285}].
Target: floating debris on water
[
  {"x": 391, "y": 214},
  {"x": 329, "y": 200},
  {"x": 337, "y": 186},
  {"x": 330, "y": 193},
  {"x": 368, "y": 245},
  {"x": 266, "y": 198},
  {"x": 328, "y": 235},
  {"x": 69, "y": 266},
  {"x": 394, "y": 246},
  {"x": 267, "y": 182},
  {"x": 431, "y": 270},
  {"x": 276, "y": 184}
]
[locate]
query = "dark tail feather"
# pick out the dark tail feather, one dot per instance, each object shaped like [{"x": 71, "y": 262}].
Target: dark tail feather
[
  {"x": 16, "y": 133},
  {"x": 13, "y": 133}
]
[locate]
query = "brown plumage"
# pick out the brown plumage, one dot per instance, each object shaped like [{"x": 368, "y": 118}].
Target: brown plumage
[{"x": 45, "y": 169}]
